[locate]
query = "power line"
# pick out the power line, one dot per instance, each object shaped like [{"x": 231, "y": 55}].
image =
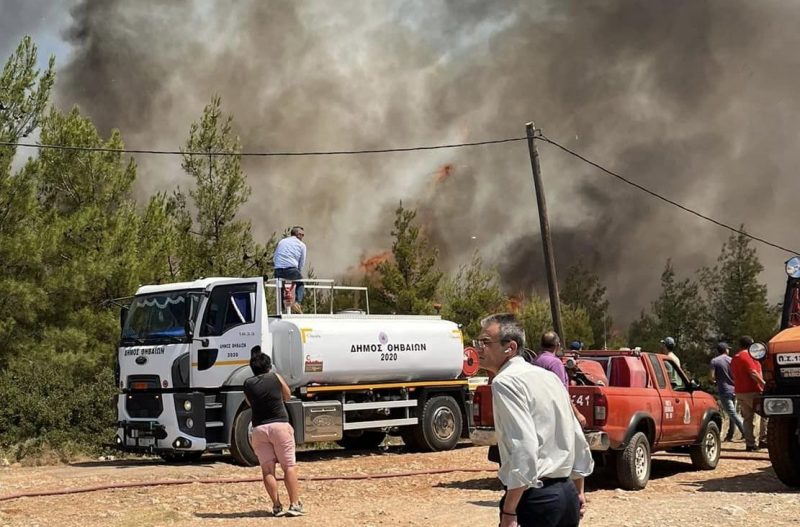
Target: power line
[
  {"x": 263, "y": 154},
  {"x": 544, "y": 138}
]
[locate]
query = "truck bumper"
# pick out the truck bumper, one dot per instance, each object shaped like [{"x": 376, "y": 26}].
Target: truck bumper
[
  {"x": 598, "y": 441},
  {"x": 772, "y": 405},
  {"x": 154, "y": 435}
]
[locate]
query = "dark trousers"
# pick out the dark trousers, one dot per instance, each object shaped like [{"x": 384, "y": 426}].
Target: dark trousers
[
  {"x": 292, "y": 273},
  {"x": 556, "y": 504}
]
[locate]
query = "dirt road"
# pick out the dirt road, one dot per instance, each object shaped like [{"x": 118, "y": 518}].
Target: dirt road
[{"x": 742, "y": 491}]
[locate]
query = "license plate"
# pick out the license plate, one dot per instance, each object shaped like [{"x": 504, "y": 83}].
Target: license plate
[
  {"x": 147, "y": 441},
  {"x": 788, "y": 358}
]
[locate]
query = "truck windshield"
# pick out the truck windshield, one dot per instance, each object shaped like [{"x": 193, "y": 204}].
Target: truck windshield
[{"x": 159, "y": 317}]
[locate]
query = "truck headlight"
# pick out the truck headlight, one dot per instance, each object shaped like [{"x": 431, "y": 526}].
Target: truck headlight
[
  {"x": 757, "y": 350},
  {"x": 187, "y": 405},
  {"x": 189, "y": 423},
  {"x": 778, "y": 406},
  {"x": 793, "y": 267}
]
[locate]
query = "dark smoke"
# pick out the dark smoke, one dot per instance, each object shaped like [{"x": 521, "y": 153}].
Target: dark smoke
[{"x": 694, "y": 99}]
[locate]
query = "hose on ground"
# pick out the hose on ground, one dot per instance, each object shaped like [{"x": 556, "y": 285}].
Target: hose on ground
[{"x": 128, "y": 485}]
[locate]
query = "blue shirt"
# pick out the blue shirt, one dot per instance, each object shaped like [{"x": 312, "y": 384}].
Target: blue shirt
[
  {"x": 721, "y": 364},
  {"x": 290, "y": 252}
]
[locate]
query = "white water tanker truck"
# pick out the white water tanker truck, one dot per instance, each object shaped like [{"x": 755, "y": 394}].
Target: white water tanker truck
[{"x": 184, "y": 354}]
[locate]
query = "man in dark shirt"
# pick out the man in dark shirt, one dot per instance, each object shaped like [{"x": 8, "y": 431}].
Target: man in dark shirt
[
  {"x": 721, "y": 374},
  {"x": 273, "y": 436}
]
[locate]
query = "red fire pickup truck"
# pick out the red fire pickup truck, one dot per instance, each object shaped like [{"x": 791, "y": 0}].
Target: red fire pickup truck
[{"x": 635, "y": 403}]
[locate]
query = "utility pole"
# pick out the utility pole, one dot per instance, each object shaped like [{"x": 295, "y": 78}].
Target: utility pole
[{"x": 544, "y": 224}]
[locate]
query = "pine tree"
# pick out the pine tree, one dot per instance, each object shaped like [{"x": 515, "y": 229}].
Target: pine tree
[
  {"x": 582, "y": 289},
  {"x": 678, "y": 312},
  {"x": 738, "y": 302},
  {"x": 24, "y": 92},
  {"x": 216, "y": 242},
  {"x": 407, "y": 283},
  {"x": 536, "y": 318},
  {"x": 470, "y": 295}
]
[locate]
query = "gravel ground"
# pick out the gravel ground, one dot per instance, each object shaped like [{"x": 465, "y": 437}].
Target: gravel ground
[{"x": 743, "y": 490}]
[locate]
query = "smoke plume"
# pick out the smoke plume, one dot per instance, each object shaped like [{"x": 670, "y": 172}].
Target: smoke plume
[{"x": 693, "y": 99}]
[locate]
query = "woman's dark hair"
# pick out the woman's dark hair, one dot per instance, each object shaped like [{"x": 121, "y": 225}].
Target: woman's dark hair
[{"x": 259, "y": 362}]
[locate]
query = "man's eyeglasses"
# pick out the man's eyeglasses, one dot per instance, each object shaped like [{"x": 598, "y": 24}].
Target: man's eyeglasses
[{"x": 482, "y": 343}]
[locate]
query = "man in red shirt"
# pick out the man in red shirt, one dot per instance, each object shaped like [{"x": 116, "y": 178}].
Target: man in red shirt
[{"x": 749, "y": 384}]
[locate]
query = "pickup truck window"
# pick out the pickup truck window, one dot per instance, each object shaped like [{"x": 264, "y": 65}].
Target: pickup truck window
[
  {"x": 662, "y": 381},
  {"x": 675, "y": 377}
]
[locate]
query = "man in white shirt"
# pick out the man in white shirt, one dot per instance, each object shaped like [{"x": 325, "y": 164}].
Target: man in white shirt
[
  {"x": 544, "y": 455},
  {"x": 290, "y": 256}
]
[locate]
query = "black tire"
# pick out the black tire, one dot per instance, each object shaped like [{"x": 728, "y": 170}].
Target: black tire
[
  {"x": 180, "y": 457},
  {"x": 241, "y": 450},
  {"x": 633, "y": 463},
  {"x": 439, "y": 426},
  {"x": 705, "y": 456},
  {"x": 784, "y": 449},
  {"x": 366, "y": 440}
]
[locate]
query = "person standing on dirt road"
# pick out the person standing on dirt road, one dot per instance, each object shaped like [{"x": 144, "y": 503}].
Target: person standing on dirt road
[
  {"x": 273, "y": 437},
  {"x": 721, "y": 374},
  {"x": 544, "y": 454},
  {"x": 749, "y": 384}
]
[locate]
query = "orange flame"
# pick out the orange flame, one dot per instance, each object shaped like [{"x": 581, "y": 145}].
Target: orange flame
[
  {"x": 444, "y": 172},
  {"x": 514, "y": 304},
  {"x": 368, "y": 265}
]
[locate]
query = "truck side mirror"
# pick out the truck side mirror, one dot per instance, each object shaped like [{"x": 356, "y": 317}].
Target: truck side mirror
[
  {"x": 693, "y": 385},
  {"x": 123, "y": 316}
]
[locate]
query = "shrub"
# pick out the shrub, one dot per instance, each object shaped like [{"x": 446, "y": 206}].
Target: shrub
[{"x": 50, "y": 406}]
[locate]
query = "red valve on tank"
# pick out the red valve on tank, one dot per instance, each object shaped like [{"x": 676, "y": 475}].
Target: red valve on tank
[{"x": 471, "y": 362}]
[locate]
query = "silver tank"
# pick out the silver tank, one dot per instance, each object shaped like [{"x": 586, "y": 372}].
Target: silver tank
[{"x": 358, "y": 349}]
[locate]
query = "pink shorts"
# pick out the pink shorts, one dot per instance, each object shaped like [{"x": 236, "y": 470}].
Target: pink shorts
[{"x": 274, "y": 442}]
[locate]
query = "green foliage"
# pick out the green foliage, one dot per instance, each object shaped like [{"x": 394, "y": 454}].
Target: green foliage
[
  {"x": 216, "y": 243},
  {"x": 581, "y": 288},
  {"x": 55, "y": 402},
  {"x": 23, "y": 97},
  {"x": 737, "y": 301},
  {"x": 470, "y": 295},
  {"x": 536, "y": 318},
  {"x": 679, "y": 312},
  {"x": 408, "y": 282},
  {"x": 24, "y": 92}
]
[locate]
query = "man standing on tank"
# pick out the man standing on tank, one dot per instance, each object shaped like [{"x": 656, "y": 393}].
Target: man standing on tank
[
  {"x": 289, "y": 259},
  {"x": 273, "y": 437}
]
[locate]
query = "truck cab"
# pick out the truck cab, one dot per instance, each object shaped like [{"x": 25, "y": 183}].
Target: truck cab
[{"x": 780, "y": 403}]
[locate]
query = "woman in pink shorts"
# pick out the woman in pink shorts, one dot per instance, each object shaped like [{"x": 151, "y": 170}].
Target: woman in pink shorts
[{"x": 273, "y": 436}]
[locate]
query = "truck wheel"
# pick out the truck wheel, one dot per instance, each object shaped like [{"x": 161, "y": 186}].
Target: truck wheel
[
  {"x": 705, "y": 456},
  {"x": 440, "y": 425},
  {"x": 241, "y": 450},
  {"x": 784, "y": 449},
  {"x": 366, "y": 440},
  {"x": 633, "y": 463}
]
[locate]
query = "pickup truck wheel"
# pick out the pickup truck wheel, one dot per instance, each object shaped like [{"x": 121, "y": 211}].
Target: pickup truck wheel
[
  {"x": 705, "y": 456},
  {"x": 439, "y": 427},
  {"x": 633, "y": 463},
  {"x": 784, "y": 449},
  {"x": 241, "y": 450},
  {"x": 366, "y": 440}
]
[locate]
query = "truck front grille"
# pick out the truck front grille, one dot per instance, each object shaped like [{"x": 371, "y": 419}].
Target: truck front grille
[{"x": 141, "y": 402}]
